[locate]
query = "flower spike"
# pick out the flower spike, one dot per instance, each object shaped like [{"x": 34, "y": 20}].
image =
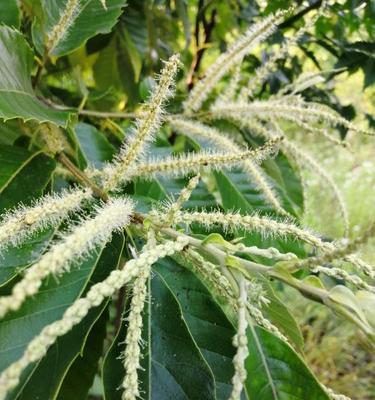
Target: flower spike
[{"x": 82, "y": 239}]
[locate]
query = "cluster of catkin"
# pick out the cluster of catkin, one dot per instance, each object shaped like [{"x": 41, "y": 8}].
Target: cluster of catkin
[{"x": 95, "y": 230}]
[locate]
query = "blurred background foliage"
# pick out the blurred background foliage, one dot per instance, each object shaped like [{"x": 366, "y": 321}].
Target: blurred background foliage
[{"x": 114, "y": 72}]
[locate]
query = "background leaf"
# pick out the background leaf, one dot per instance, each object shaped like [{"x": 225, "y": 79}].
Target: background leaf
[
  {"x": 10, "y": 13},
  {"x": 275, "y": 372},
  {"x": 23, "y": 175},
  {"x": 95, "y": 147},
  {"x": 172, "y": 358},
  {"x": 90, "y": 20},
  {"x": 19, "y": 327},
  {"x": 17, "y": 97}
]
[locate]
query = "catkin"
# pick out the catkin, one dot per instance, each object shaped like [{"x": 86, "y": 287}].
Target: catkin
[
  {"x": 199, "y": 130},
  {"x": 191, "y": 163},
  {"x": 256, "y": 223},
  {"x": 146, "y": 127},
  {"x": 50, "y": 210},
  {"x": 38, "y": 347},
  {"x": 83, "y": 238},
  {"x": 240, "y": 341},
  {"x": 254, "y": 35}
]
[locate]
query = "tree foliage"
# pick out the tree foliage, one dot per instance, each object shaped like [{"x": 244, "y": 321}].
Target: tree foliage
[{"x": 151, "y": 210}]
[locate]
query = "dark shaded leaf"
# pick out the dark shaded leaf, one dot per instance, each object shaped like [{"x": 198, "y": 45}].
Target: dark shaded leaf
[
  {"x": 17, "y": 97},
  {"x": 174, "y": 366},
  {"x": 10, "y": 13},
  {"x": 48, "y": 305},
  {"x": 94, "y": 145},
  {"x": 276, "y": 372},
  {"x": 23, "y": 175},
  {"x": 91, "y": 20}
]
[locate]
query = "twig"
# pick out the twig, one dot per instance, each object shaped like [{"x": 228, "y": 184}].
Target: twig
[
  {"x": 103, "y": 114},
  {"x": 82, "y": 177},
  {"x": 201, "y": 48}
]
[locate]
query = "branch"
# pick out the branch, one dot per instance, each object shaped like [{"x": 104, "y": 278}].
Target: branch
[{"x": 82, "y": 177}]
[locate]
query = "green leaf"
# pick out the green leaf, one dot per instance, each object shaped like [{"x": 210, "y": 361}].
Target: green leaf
[
  {"x": 10, "y": 13},
  {"x": 94, "y": 145},
  {"x": 280, "y": 315},
  {"x": 276, "y": 372},
  {"x": 10, "y": 131},
  {"x": 23, "y": 175},
  {"x": 162, "y": 189},
  {"x": 15, "y": 259},
  {"x": 207, "y": 323},
  {"x": 81, "y": 374},
  {"x": 133, "y": 54},
  {"x": 17, "y": 97},
  {"x": 90, "y": 20},
  {"x": 43, "y": 379},
  {"x": 238, "y": 194},
  {"x": 174, "y": 367}
]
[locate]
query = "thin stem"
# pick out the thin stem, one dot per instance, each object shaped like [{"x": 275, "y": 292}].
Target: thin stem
[
  {"x": 82, "y": 177},
  {"x": 108, "y": 114}
]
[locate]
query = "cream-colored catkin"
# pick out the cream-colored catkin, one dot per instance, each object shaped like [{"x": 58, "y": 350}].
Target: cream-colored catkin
[
  {"x": 270, "y": 252},
  {"x": 339, "y": 273},
  {"x": 212, "y": 274},
  {"x": 53, "y": 138},
  {"x": 258, "y": 317},
  {"x": 198, "y": 130},
  {"x": 240, "y": 342},
  {"x": 67, "y": 17},
  {"x": 364, "y": 267},
  {"x": 74, "y": 314},
  {"x": 82, "y": 239},
  {"x": 191, "y": 163},
  {"x": 183, "y": 197},
  {"x": 334, "y": 396},
  {"x": 60, "y": 30},
  {"x": 262, "y": 72},
  {"x": 264, "y": 225},
  {"x": 132, "y": 353},
  {"x": 146, "y": 127},
  {"x": 232, "y": 56},
  {"x": 302, "y": 158},
  {"x": 50, "y": 210},
  {"x": 286, "y": 109},
  {"x": 344, "y": 251}
]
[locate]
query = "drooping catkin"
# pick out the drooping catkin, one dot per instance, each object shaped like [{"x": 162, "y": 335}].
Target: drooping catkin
[
  {"x": 82, "y": 239},
  {"x": 258, "y": 317},
  {"x": 240, "y": 342},
  {"x": 264, "y": 225},
  {"x": 343, "y": 251},
  {"x": 132, "y": 353},
  {"x": 38, "y": 347},
  {"x": 212, "y": 274},
  {"x": 254, "y": 35},
  {"x": 50, "y": 210},
  {"x": 339, "y": 273},
  {"x": 192, "y": 162},
  {"x": 146, "y": 127},
  {"x": 288, "y": 109},
  {"x": 334, "y": 396},
  {"x": 199, "y": 130},
  {"x": 303, "y": 159},
  {"x": 262, "y": 72}
]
